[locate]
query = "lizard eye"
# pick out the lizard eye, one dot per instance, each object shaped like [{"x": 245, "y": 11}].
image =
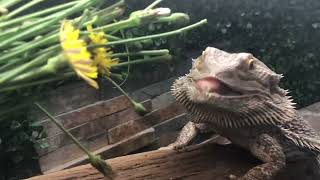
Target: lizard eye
[{"x": 250, "y": 64}]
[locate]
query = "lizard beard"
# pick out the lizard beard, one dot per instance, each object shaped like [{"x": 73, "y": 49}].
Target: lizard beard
[{"x": 258, "y": 113}]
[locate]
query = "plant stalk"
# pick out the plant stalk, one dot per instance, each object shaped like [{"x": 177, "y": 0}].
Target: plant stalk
[
  {"x": 22, "y": 8},
  {"x": 25, "y": 67},
  {"x": 170, "y": 33},
  {"x": 38, "y": 82},
  {"x": 94, "y": 160},
  {"x": 138, "y": 107},
  {"x": 142, "y": 53},
  {"x": 28, "y": 47},
  {"x": 9, "y": 3},
  {"x": 55, "y": 121},
  {"x": 51, "y": 67},
  {"x": 166, "y": 57},
  {"x": 36, "y": 14},
  {"x": 153, "y": 4},
  {"x": 40, "y": 28}
]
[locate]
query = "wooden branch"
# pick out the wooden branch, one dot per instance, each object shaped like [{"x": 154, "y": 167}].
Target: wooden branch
[{"x": 207, "y": 162}]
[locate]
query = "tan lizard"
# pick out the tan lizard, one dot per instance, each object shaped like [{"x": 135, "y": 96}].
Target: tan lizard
[{"x": 238, "y": 96}]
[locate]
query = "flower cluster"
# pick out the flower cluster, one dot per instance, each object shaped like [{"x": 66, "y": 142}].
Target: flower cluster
[
  {"x": 85, "y": 63},
  {"x": 75, "y": 50},
  {"x": 101, "y": 55}
]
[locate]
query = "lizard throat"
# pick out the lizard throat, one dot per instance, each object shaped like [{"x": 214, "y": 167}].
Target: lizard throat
[{"x": 265, "y": 113}]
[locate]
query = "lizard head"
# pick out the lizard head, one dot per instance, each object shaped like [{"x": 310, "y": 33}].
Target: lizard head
[{"x": 231, "y": 81}]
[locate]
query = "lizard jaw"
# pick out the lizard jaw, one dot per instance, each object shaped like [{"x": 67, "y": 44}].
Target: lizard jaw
[{"x": 214, "y": 86}]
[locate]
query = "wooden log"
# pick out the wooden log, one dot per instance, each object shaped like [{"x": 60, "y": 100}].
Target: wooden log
[{"x": 207, "y": 162}]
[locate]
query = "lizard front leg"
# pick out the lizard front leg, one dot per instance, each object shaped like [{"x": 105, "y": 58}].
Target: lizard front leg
[
  {"x": 268, "y": 150},
  {"x": 187, "y": 134}
]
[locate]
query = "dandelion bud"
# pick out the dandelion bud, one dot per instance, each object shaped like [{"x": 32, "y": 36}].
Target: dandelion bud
[
  {"x": 101, "y": 166},
  {"x": 139, "y": 108}
]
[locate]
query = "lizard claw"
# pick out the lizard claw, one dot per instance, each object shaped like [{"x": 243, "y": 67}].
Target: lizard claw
[
  {"x": 174, "y": 146},
  {"x": 233, "y": 177},
  {"x": 165, "y": 148}
]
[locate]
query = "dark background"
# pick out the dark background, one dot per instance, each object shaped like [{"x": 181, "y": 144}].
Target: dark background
[{"x": 284, "y": 34}]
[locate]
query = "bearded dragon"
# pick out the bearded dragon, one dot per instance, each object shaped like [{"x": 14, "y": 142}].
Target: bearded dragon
[{"x": 238, "y": 97}]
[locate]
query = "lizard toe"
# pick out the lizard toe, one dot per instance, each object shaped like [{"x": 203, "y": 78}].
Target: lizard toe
[{"x": 233, "y": 177}]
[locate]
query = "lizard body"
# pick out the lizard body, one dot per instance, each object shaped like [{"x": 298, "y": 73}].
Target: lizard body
[{"x": 238, "y": 97}]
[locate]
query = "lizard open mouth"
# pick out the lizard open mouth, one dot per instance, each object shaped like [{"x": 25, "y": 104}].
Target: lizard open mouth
[{"x": 214, "y": 85}]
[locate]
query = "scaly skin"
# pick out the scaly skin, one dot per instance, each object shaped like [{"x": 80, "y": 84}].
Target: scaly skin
[{"x": 239, "y": 97}]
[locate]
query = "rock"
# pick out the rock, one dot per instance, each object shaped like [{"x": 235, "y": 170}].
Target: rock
[{"x": 312, "y": 114}]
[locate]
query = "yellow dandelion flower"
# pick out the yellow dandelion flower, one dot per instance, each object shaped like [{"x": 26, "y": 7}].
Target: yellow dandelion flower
[
  {"x": 76, "y": 52},
  {"x": 101, "y": 55}
]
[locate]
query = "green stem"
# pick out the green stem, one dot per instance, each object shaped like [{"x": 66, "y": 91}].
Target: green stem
[
  {"x": 10, "y": 37},
  {"x": 39, "y": 82},
  {"x": 119, "y": 88},
  {"x": 110, "y": 13},
  {"x": 109, "y": 8},
  {"x": 38, "y": 43},
  {"x": 36, "y": 14},
  {"x": 153, "y": 4},
  {"x": 25, "y": 67},
  {"x": 16, "y": 30},
  {"x": 142, "y": 53},
  {"x": 108, "y": 36},
  {"x": 138, "y": 107},
  {"x": 51, "y": 67},
  {"x": 40, "y": 28},
  {"x": 16, "y": 61},
  {"x": 147, "y": 60},
  {"x": 22, "y": 8},
  {"x": 115, "y": 26},
  {"x": 35, "y": 73},
  {"x": 112, "y": 38},
  {"x": 55, "y": 121},
  {"x": 9, "y": 3},
  {"x": 9, "y": 65},
  {"x": 170, "y": 33},
  {"x": 28, "y": 47},
  {"x": 128, "y": 58},
  {"x": 3, "y": 11},
  {"x": 133, "y": 20}
]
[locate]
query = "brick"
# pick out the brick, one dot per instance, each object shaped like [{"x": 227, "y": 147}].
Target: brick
[
  {"x": 66, "y": 98},
  {"x": 60, "y": 160},
  {"x": 71, "y": 152},
  {"x": 132, "y": 127},
  {"x": 152, "y": 91},
  {"x": 167, "y": 138},
  {"x": 98, "y": 110},
  {"x": 171, "y": 125},
  {"x": 311, "y": 114},
  {"x": 88, "y": 113},
  {"x": 91, "y": 128},
  {"x": 162, "y": 100}
]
